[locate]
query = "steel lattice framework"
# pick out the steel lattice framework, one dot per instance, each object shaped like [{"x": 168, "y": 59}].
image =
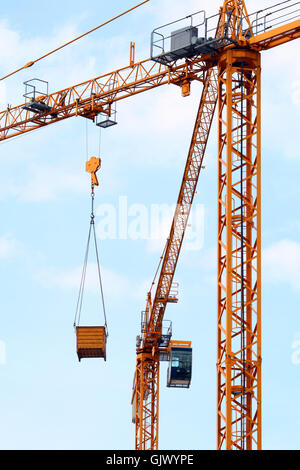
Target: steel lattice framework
[
  {"x": 89, "y": 98},
  {"x": 147, "y": 401},
  {"x": 231, "y": 75},
  {"x": 239, "y": 252},
  {"x": 146, "y": 392}
]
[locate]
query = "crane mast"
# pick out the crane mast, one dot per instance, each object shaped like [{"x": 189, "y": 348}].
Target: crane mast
[
  {"x": 239, "y": 251},
  {"x": 236, "y": 84},
  {"x": 96, "y": 95},
  {"x": 239, "y": 246}
]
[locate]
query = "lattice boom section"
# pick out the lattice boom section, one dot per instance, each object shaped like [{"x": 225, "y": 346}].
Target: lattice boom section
[
  {"x": 93, "y": 96},
  {"x": 239, "y": 252},
  {"x": 147, "y": 390}
]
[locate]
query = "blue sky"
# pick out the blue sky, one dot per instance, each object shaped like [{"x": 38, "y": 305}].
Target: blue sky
[{"x": 47, "y": 399}]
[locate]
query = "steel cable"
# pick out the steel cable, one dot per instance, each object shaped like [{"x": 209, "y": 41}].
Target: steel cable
[{"x": 84, "y": 270}]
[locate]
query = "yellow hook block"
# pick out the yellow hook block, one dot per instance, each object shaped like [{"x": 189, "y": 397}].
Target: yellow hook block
[{"x": 92, "y": 166}]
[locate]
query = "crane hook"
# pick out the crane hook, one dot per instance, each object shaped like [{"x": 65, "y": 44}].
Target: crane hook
[{"x": 92, "y": 166}]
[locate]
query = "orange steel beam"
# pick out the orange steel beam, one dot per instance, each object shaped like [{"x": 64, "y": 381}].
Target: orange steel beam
[
  {"x": 232, "y": 12},
  {"x": 147, "y": 400},
  {"x": 239, "y": 252},
  {"x": 89, "y": 98},
  {"x": 146, "y": 392}
]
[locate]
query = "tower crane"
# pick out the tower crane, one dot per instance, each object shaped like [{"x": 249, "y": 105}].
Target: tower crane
[
  {"x": 233, "y": 80},
  {"x": 222, "y": 52}
]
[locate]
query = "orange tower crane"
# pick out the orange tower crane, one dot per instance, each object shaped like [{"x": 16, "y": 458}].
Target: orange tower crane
[
  {"x": 234, "y": 81},
  {"x": 222, "y": 52}
]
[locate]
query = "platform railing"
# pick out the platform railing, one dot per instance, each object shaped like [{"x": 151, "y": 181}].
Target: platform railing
[{"x": 274, "y": 16}]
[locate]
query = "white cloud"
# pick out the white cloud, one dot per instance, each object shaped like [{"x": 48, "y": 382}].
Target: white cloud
[
  {"x": 44, "y": 183},
  {"x": 47, "y": 183},
  {"x": 8, "y": 247},
  {"x": 169, "y": 111},
  {"x": 115, "y": 285},
  {"x": 281, "y": 263}
]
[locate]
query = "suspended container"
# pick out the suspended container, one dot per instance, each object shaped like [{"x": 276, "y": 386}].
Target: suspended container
[
  {"x": 91, "y": 341},
  {"x": 180, "y": 367}
]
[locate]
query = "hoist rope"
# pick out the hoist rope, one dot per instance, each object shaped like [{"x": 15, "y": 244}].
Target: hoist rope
[
  {"x": 100, "y": 280},
  {"x": 100, "y": 142},
  {"x": 159, "y": 265},
  {"x": 86, "y": 140},
  {"x": 82, "y": 282},
  {"x": 31, "y": 63},
  {"x": 92, "y": 231}
]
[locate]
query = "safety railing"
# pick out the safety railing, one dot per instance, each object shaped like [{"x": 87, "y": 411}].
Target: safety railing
[
  {"x": 274, "y": 16},
  {"x": 35, "y": 88},
  {"x": 191, "y": 35},
  {"x": 199, "y": 34},
  {"x": 163, "y": 36}
]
